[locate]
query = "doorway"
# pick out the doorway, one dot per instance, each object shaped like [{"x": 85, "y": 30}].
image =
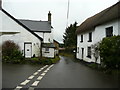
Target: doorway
[
  {"x": 28, "y": 50},
  {"x": 82, "y": 53}
]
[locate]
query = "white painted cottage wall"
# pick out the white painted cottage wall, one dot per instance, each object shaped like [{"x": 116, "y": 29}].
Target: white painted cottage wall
[
  {"x": 9, "y": 25},
  {"x": 100, "y": 31},
  {"x": 49, "y": 54},
  {"x": 97, "y": 35},
  {"x": 47, "y": 37}
]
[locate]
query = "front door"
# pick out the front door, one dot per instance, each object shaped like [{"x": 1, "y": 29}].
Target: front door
[
  {"x": 82, "y": 53},
  {"x": 28, "y": 50}
]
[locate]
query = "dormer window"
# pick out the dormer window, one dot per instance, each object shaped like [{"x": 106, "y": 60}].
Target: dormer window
[
  {"x": 90, "y": 37},
  {"x": 109, "y": 31}
]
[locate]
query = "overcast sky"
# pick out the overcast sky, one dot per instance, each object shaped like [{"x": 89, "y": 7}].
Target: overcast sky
[{"x": 79, "y": 10}]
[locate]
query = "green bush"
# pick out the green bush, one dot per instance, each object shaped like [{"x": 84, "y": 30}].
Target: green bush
[
  {"x": 110, "y": 52},
  {"x": 11, "y": 52},
  {"x": 45, "y": 61},
  {"x": 48, "y": 61},
  {"x": 55, "y": 60}
]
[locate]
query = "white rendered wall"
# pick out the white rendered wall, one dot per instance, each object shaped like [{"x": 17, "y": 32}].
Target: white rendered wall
[
  {"x": 97, "y": 35},
  {"x": 100, "y": 31},
  {"x": 49, "y": 54},
  {"x": 47, "y": 37},
  {"x": 9, "y": 25}
]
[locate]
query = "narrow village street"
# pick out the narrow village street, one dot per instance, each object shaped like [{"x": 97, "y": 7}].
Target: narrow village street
[{"x": 67, "y": 73}]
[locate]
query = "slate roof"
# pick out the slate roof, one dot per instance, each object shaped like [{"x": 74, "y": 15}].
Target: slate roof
[
  {"x": 109, "y": 14},
  {"x": 21, "y": 24},
  {"x": 37, "y": 26}
]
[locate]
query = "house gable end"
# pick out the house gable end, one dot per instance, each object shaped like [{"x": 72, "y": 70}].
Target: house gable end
[{"x": 21, "y": 24}]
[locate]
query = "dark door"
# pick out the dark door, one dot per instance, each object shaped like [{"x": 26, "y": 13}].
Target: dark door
[{"x": 82, "y": 53}]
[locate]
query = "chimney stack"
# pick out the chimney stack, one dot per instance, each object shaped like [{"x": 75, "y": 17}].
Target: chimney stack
[{"x": 49, "y": 17}]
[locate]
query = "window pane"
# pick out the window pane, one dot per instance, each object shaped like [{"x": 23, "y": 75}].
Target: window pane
[
  {"x": 109, "y": 31},
  {"x": 90, "y": 37},
  {"x": 81, "y": 38},
  {"x": 46, "y": 49},
  {"x": 89, "y": 52}
]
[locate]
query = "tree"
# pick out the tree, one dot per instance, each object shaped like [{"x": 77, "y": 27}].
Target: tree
[
  {"x": 69, "y": 37},
  {"x": 110, "y": 52}
]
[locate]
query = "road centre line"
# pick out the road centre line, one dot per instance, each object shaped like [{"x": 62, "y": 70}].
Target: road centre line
[
  {"x": 30, "y": 88},
  {"x": 35, "y": 73},
  {"x": 25, "y": 82},
  {"x": 45, "y": 71},
  {"x": 31, "y": 77},
  {"x": 18, "y": 87},
  {"x": 43, "y": 74},
  {"x": 35, "y": 83},
  {"x": 40, "y": 77},
  {"x": 39, "y": 70}
]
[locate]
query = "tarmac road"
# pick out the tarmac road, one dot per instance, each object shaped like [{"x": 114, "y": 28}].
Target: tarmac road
[{"x": 67, "y": 73}]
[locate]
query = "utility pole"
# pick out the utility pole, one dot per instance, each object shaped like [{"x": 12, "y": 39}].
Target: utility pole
[{"x": 68, "y": 12}]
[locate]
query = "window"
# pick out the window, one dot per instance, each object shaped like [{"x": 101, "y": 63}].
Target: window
[
  {"x": 81, "y": 38},
  {"x": 89, "y": 52},
  {"x": 90, "y": 37},
  {"x": 109, "y": 31},
  {"x": 46, "y": 49}
]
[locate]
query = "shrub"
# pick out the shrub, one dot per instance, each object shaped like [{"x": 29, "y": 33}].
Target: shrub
[
  {"x": 35, "y": 60},
  {"x": 55, "y": 60},
  {"x": 48, "y": 61},
  {"x": 11, "y": 52},
  {"x": 110, "y": 52},
  {"x": 45, "y": 61}
]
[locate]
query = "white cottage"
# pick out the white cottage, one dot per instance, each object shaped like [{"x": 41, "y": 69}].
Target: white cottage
[
  {"x": 94, "y": 29},
  {"x": 12, "y": 29},
  {"x": 45, "y": 30}
]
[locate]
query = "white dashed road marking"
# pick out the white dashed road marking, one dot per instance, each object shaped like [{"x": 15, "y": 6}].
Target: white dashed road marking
[
  {"x": 39, "y": 70},
  {"x": 40, "y": 77},
  {"x": 46, "y": 71},
  {"x": 18, "y": 87},
  {"x": 31, "y": 88},
  {"x": 31, "y": 77},
  {"x": 25, "y": 82},
  {"x": 43, "y": 74},
  {"x": 35, "y": 83},
  {"x": 35, "y": 73}
]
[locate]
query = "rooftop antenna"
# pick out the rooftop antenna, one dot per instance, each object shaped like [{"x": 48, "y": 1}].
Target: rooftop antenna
[{"x": 68, "y": 13}]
